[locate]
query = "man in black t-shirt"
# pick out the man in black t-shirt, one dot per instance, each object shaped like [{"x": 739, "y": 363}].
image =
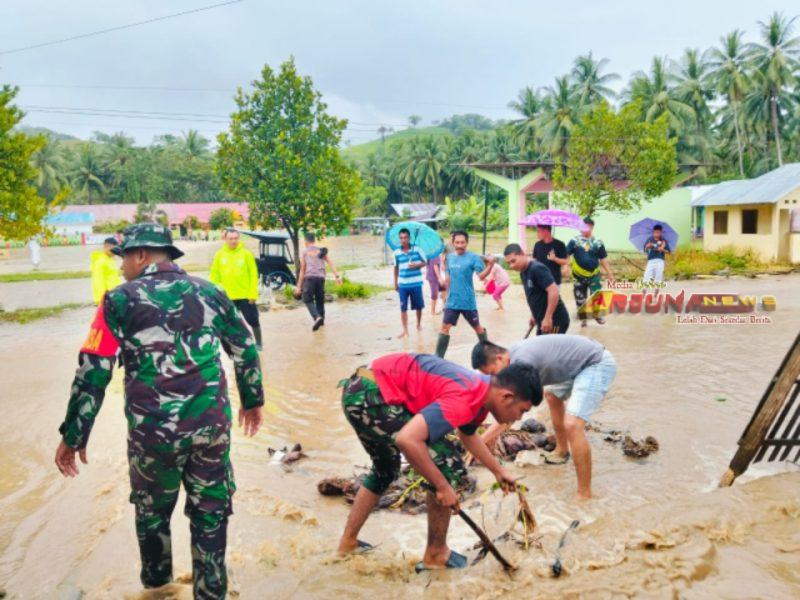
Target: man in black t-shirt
[
  {"x": 548, "y": 313},
  {"x": 551, "y": 252}
]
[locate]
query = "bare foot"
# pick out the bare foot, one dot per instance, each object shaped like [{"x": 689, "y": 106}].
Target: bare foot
[
  {"x": 402, "y": 335},
  {"x": 584, "y": 495},
  {"x": 346, "y": 547},
  {"x": 436, "y": 561}
]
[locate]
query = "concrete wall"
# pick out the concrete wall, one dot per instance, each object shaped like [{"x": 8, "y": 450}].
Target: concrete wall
[
  {"x": 673, "y": 207},
  {"x": 765, "y": 242}
]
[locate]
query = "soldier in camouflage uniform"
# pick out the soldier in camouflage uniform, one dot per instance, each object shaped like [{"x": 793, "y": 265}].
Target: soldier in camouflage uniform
[
  {"x": 408, "y": 403},
  {"x": 168, "y": 328}
]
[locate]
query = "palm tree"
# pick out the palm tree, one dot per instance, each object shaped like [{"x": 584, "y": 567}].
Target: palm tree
[
  {"x": 590, "y": 84},
  {"x": 561, "y": 112},
  {"x": 529, "y": 104},
  {"x": 87, "y": 174},
  {"x": 421, "y": 164},
  {"x": 117, "y": 151},
  {"x": 414, "y": 120},
  {"x": 658, "y": 98},
  {"x": 193, "y": 144},
  {"x": 692, "y": 78},
  {"x": 727, "y": 64},
  {"x": 373, "y": 169},
  {"x": 776, "y": 60},
  {"x": 50, "y": 163}
]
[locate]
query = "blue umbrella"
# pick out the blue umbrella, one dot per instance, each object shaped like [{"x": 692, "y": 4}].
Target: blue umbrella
[
  {"x": 641, "y": 230},
  {"x": 422, "y": 236}
]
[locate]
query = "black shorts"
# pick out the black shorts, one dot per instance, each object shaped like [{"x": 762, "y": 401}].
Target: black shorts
[{"x": 451, "y": 315}]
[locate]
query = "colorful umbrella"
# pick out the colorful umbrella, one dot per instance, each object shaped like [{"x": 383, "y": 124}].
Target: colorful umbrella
[
  {"x": 554, "y": 218},
  {"x": 641, "y": 230},
  {"x": 428, "y": 240}
]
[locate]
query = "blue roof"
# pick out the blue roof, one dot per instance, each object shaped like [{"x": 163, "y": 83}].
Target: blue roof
[{"x": 81, "y": 218}]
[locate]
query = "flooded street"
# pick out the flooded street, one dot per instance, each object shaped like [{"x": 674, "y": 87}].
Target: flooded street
[{"x": 658, "y": 528}]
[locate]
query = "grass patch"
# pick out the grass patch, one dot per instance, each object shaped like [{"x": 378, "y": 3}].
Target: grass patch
[
  {"x": 349, "y": 267},
  {"x": 26, "y": 315},
  {"x": 690, "y": 263},
  {"x": 43, "y": 276},
  {"x": 349, "y": 290}
]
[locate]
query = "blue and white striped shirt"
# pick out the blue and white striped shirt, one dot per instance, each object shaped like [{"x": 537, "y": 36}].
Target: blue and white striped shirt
[{"x": 407, "y": 278}]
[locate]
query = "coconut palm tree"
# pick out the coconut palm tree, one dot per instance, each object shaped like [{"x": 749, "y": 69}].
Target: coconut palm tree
[
  {"x": 728, "y": 71},
  {"x": 776, "y": 60},
  {"x": 422, "y": 165},
  {"x": 529, "y": 104},
  {"x": 50, "y": 163},
  {"x": 693, "y": 85},
  {"x": 590, "y": 83},
  {"x": 87, "y": 173},
  {"x": 562, "y": 111},
  {"x": 657, "y": 97},
  {"x": 193, "y": 144}
]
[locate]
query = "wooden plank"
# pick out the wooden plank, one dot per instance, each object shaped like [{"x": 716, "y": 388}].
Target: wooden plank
[{"x": 769, "y": 406}]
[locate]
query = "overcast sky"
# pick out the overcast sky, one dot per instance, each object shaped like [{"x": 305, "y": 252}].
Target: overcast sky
[{"x": 375, "y": 62}]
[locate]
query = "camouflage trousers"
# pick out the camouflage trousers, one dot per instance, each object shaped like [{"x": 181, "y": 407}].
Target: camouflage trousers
[
  {"x": 377, "y": 423},
  {"x": 583, "y": 288},
  {"x": 201, "y": 461}
]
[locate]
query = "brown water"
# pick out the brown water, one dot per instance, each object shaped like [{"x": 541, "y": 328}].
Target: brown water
[{"x": 657, "y": 529}]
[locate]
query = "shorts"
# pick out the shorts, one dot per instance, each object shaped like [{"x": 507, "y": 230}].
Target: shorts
[
  {"x": 414, "y": 294},
  {"x": 584, "y": 393},
  {"x": 376, "y": 424},
  {"x": 451, "y": 315}
]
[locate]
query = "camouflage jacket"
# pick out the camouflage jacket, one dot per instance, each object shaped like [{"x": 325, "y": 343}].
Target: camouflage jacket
[{"x": 168, "y": 328}]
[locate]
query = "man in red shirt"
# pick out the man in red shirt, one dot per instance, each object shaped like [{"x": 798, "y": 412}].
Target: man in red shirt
[{"x": 408, "y": 403}]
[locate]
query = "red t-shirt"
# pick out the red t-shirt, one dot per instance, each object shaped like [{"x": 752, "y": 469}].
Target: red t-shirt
[{"x": 447, "y": 395}]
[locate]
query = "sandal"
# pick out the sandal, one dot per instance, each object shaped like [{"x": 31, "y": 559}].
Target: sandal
[
  {"x": 363, "y": 547},
  {"x": 551, "y": 458},
  {"x": 454, "y": 561}
]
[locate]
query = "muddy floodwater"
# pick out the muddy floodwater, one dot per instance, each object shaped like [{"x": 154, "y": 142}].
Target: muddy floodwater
[{"x": 658, "y": 527}]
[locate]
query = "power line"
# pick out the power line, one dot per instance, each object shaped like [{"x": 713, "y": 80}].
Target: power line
[
  {"x": 150, "y": 114},
  {"x": 120, "y": 27},
  {"x": 228, "y": 91}
]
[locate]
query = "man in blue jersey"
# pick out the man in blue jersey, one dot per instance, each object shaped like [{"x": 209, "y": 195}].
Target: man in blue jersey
[
  {"x": 408, "y": 263},
  {"x": 459, "y": 267}
]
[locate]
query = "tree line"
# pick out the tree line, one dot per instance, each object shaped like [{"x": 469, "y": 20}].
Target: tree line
[
  {"x": 111, "y": 168},
  {"x": 732, "y": 110}
]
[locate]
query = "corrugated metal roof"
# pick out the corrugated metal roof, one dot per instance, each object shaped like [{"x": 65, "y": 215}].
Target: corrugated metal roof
[
  {"x": 765, "y": 189},
  {"x": 417, "y": 210}
]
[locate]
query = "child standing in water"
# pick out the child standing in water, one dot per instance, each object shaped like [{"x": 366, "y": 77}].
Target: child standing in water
[{"x": 497, "y": 282}]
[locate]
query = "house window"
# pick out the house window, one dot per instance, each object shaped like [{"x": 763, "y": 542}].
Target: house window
[
  {"x": 721, "y": 222},
  {"x": 750, "y": 220}
]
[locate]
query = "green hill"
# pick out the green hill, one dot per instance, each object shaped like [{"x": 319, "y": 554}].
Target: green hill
[
  {"x": 53, "y": 135},
  {"x": 359, "y": 152}
]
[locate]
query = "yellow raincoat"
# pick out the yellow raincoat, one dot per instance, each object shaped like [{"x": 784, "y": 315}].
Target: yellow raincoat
[
  {"x": 236, "y": 272},
  {"x": 105, "y": 274}
]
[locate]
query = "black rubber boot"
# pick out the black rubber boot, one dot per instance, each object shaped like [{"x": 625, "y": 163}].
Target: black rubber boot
[{"x": 441, "y": 344}]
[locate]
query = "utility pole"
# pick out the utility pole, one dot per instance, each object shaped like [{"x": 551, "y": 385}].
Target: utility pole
[{"x": 485, "y": 212}]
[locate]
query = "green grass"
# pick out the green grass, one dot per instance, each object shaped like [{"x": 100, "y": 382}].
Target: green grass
[
  {"x": 43, "y": 276},
  {"x": 349, "y": 290},
  {"x": 26, "y": 315},
  {"x": 349, "y": 267}
]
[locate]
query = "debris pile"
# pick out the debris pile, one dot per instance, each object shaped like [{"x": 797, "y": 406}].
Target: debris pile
[
  {"x": 630, "y": 446},
  {"x": 406, "y": 494},
  {"x": 286, "y": 457}
]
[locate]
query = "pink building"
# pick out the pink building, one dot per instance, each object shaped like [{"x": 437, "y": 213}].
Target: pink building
[{"x": 176, "y": 213}]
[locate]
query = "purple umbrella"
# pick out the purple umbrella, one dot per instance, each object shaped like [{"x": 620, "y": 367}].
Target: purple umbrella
[
  {"x": 554, "y": 218},
  {"x": 641, "y": 230}
]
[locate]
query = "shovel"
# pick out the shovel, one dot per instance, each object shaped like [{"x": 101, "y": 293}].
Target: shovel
[{"x": 487, "y": 543}]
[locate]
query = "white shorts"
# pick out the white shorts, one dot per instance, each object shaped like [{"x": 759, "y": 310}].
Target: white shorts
[{"x": 584, "y": 393}]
